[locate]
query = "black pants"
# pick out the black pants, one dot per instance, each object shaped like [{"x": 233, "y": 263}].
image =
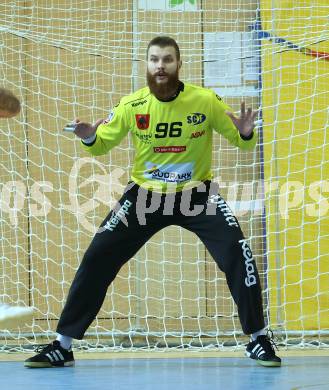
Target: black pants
[{"x": 127, "y": 228}]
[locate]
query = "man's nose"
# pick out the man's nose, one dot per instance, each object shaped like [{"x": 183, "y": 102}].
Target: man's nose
[{"x": 160, "y": 64}]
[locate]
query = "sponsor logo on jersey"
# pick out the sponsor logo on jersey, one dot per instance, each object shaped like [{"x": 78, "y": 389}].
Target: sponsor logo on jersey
[
  {"x": 250, "y": 280},
  {"x": 169, "y": 149},
  {"x": 198, "y": 134},
  {"x": 143, "y": 121},
  {"x": 140, "y": 103},
  {"x": 195, "y": 118},
  {"x": 169, "y": 173},
  {"x": 145, "y": 138},
  {"x": 219, "y": 98}
]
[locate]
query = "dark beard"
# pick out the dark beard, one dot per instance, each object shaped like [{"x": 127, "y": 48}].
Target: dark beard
[{"x": 163, "y": 91}]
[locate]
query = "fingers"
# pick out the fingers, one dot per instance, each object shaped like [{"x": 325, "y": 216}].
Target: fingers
[
  {"x": 70, "y": 127},
  {"x": 243, "y": 108},
  {"x": 250, "y": 113},
  {"x": 98, "y": 122},
  {"x": 254, "y": 115},
  {"x": 230, "y": 114},
  {"x": 79, "y": 126},
  {"x": 234, "y": 119},
  {"x": 248, "y": 116}
]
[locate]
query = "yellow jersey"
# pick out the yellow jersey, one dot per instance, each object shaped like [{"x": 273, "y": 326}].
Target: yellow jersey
[{"x": 173, "y": 139}]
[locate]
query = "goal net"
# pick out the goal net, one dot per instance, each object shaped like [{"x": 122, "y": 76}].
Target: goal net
[{"x": 76, "y": 59}]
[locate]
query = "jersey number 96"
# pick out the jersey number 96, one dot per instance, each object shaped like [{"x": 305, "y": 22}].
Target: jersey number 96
[{"x": 164, "y": 130}]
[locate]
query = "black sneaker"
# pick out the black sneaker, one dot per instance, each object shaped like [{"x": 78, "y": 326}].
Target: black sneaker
[
  {"x": 263, "y": 352},
  {"x": 51, "y": 355}
]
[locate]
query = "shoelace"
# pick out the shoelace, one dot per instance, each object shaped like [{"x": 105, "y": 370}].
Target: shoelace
[
  {"x": 44, "y": 348},
  {"x": 267, "y": 342},
  {"x": 270, "y": 338}
]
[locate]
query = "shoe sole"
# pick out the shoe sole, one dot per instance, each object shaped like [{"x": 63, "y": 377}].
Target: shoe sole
[
  {"x": 264, "y": 363},
  {"x": 14, "y": 321},
  {"x": 47, "y": 365}
]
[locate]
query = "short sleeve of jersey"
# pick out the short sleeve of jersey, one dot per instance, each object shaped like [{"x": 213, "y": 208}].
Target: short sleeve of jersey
[
  {"x": 110, "y": 133},
  {"x": 223, "y": 124}
]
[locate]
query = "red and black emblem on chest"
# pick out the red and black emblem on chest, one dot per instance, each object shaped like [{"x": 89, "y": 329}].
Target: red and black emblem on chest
[{"x": 143, "y": 121}]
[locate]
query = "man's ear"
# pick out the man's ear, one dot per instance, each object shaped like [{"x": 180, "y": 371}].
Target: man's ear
[{"x": 179, "y": 64}]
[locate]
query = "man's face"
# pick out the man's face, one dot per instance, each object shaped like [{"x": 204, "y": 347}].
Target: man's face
[{"x": 162, "y": 70}]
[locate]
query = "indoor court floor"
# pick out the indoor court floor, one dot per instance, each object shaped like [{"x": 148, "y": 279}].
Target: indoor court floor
[{"x": 172, "y": 373}]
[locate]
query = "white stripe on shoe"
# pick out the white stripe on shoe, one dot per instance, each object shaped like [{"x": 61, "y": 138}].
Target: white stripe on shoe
[
  {"x": 258, "y": 350},
  {"x": 55, "y": 356},
  {"x": 59, "y": 354}
]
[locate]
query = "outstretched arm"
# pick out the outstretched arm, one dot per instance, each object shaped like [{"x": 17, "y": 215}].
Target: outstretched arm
[
  {"x": 245, "y": 123},
  {"x": 110, "y": 132}
]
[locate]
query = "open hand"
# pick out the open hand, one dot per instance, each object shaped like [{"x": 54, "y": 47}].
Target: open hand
[
  {"x": 84, "y": 129},
  {"x": 245, "y": 123}
]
